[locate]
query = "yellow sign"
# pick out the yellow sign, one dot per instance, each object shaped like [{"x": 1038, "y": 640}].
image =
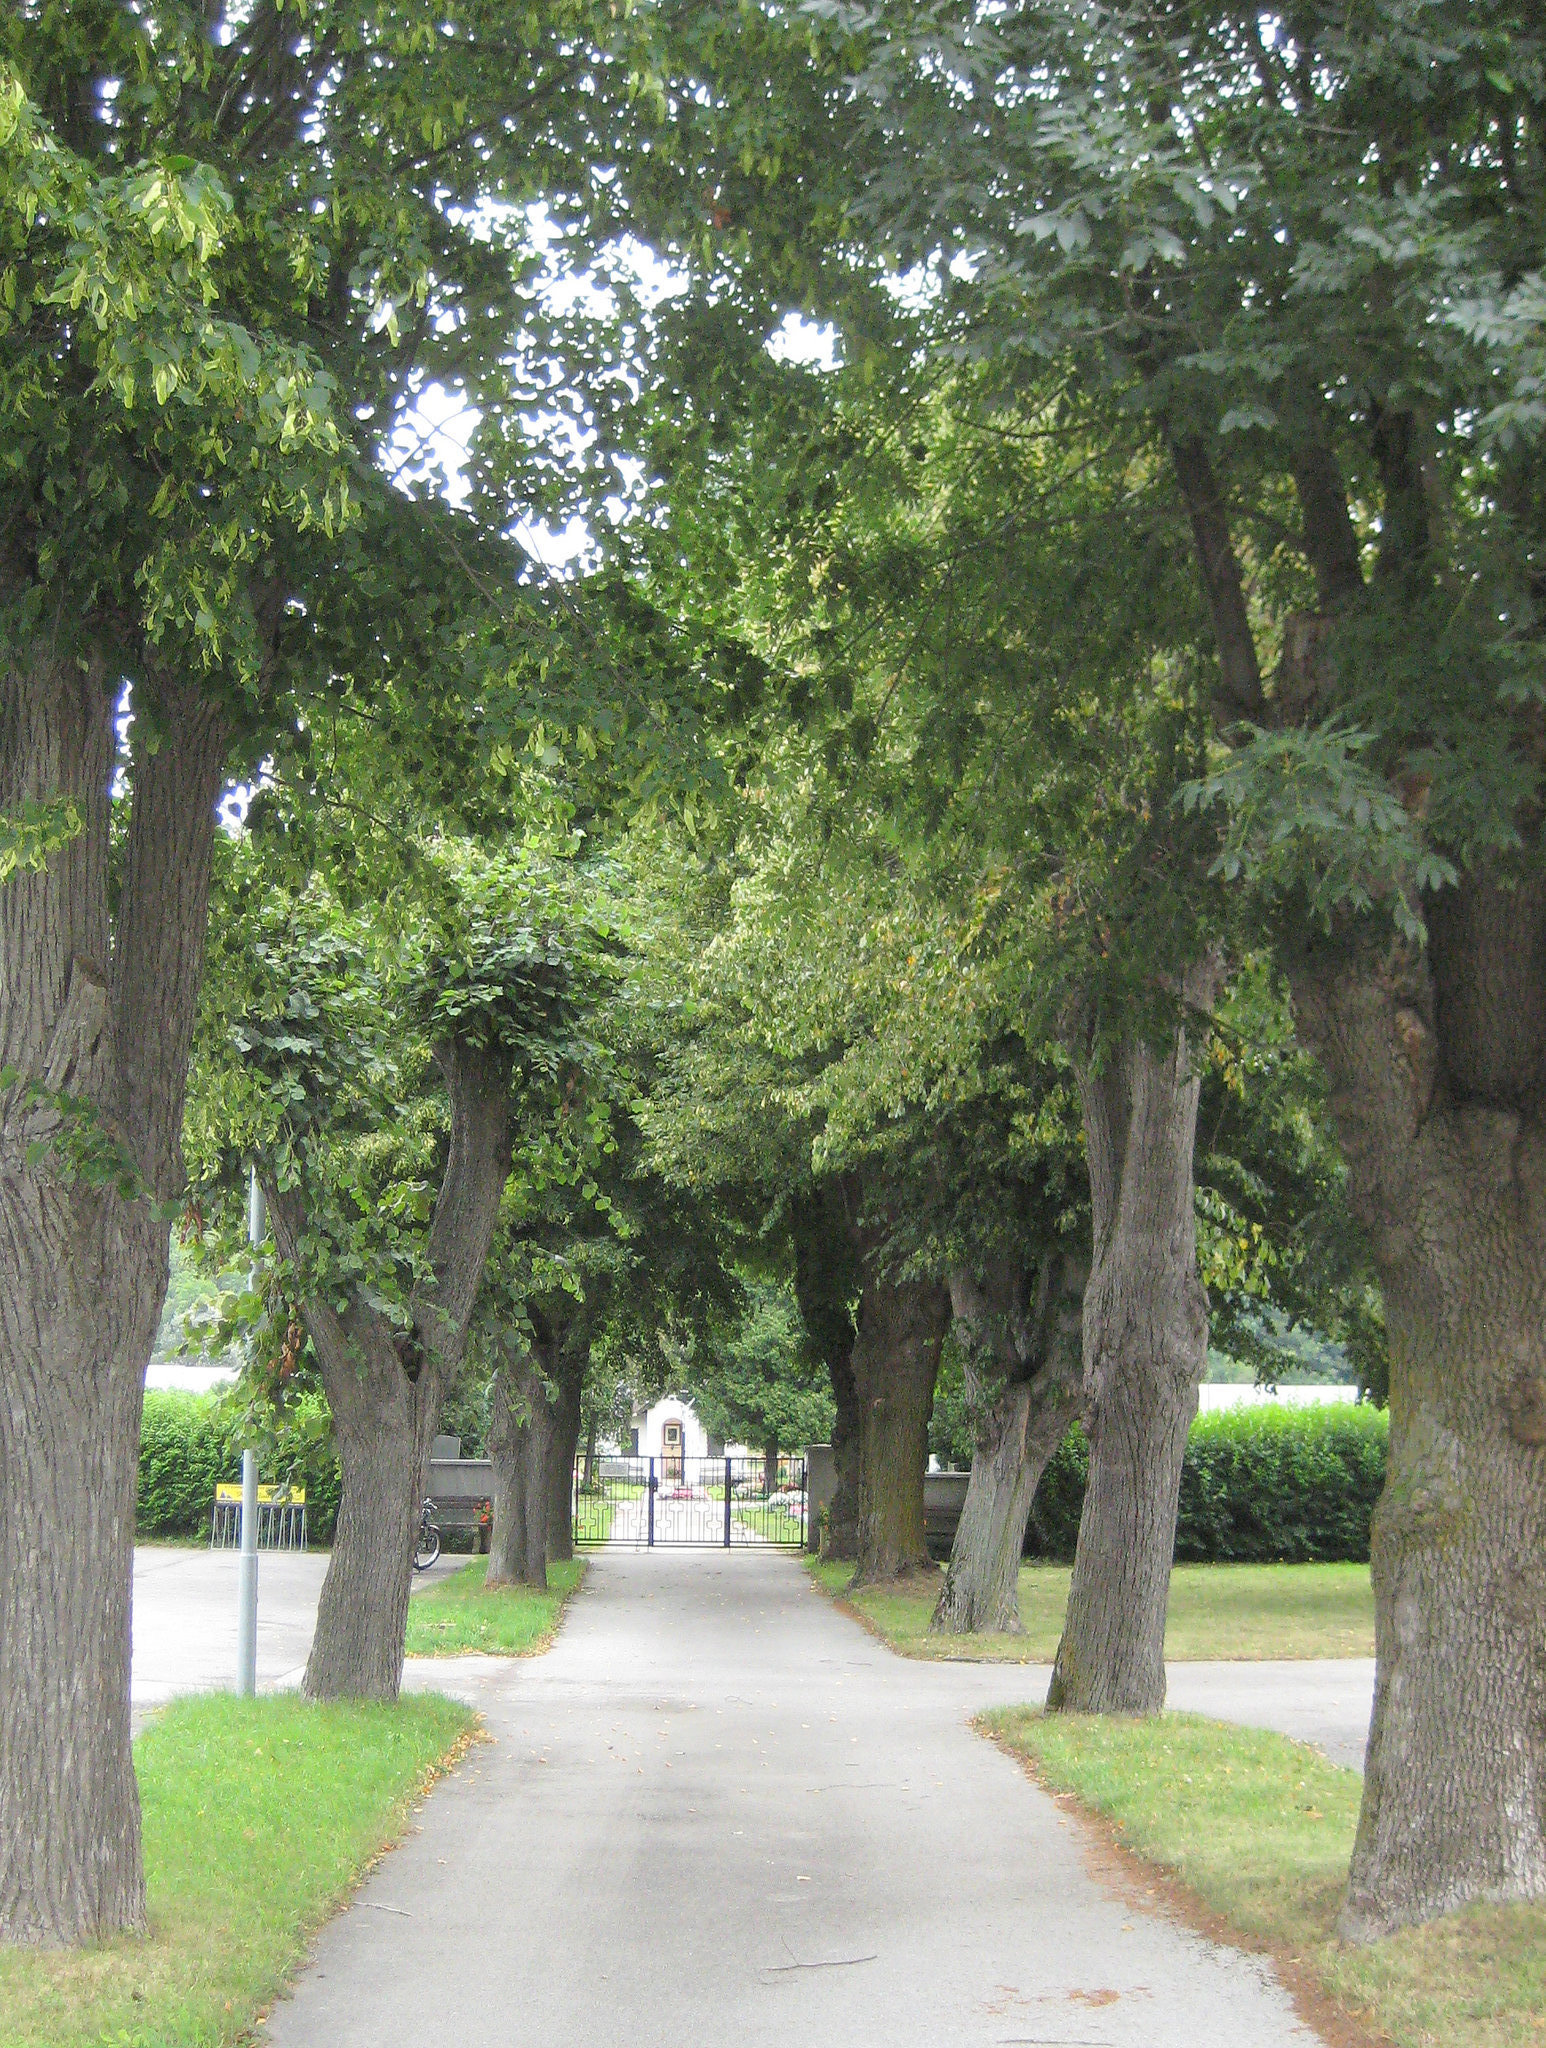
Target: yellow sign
[{"x": 268, "y": 1496}]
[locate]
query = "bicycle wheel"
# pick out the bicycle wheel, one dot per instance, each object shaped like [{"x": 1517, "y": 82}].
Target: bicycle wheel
[{"x": 427, "y": 1549}]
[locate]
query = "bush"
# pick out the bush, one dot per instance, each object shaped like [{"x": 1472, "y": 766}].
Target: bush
[
  {"x": 190, "y": 1442},
  {"x": 1259, "y": 1486}
]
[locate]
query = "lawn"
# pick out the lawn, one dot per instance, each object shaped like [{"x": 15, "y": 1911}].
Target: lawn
[
  {"x": 459, "y": 1615},
  {"x": 259, "y": 1815},
  {"x": 1216, "y": 1611},
  {"x": 1259, "y": 1830},
  {"x": 593, "y": 1516}
]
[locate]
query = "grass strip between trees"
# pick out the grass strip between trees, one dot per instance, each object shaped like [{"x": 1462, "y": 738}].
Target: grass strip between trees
[
  {"x": 459, "y": 1616},
  {"x": 1257, "y": 1831},
  {"x": 1233, "y": 1612},
  {"x": 259, "y": 1817}
]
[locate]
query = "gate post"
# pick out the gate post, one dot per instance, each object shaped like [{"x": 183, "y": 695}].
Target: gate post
[
  {"x": 651, "y": 1542},
  {"x": 727, "y": 1503}
]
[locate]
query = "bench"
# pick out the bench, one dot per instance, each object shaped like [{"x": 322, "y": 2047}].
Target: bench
[{"x": 462, "y": 1490}]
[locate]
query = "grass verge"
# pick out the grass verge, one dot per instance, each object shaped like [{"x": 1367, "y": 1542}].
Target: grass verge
[
  {"x": 461, "y": 1616},
  {"x": 259, "y": 1815},
  {"x": 1257, "y": 1830},
  {"x": 1217, "y": 1611}
]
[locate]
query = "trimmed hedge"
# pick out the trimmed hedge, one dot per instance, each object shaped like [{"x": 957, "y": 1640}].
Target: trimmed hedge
[
  {"x": 1260, "y": 1485},
  {"x": 187, "y": 1446}
]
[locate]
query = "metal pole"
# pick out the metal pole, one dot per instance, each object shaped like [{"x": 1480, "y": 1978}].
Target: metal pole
[
  {"x": 651, "y": 1544},
  {"x": 247, "y": 1583},
  {"x": 727, "y": 1503}
]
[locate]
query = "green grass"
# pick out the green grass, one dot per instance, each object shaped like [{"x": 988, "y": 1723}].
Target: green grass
[
  {"x": 1260, "y": 1829},
  {"x": 459, "y": 1615},
  {"x": 1234, "y": 1611},
  {"x": 259, "y": 1815},
  {"x": 776, "y": 1524},
  {"x": 593, "y": 1519}
]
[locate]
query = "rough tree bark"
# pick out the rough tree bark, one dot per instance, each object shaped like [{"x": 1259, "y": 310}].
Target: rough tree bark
[
  {"x": 98, "y": 1009},
  {"x": 902, "y": 1326},
  {"x": 568, "y": 1375},
  {"x": 1437, "y": 1066},
  {"x": 383, "y": 1386},
  {"x": 1437, "y": 1062},
  {"x": 521, "y": 1433},
  {"x": 1022, "y": 1362},
  {"x": 827, "y": 1284},
  {"x": 1145, "y": 1347}
]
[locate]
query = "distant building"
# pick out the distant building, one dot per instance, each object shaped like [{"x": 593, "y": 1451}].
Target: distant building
[{"x": 669, "y": 1430}]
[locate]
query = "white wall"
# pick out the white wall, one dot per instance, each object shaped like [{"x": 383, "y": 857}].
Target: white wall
[{"x": 652, "y": 1430}]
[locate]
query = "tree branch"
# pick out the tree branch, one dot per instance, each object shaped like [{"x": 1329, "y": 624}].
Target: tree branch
[
  {"x": 1329, "y": 540},
  {"x": 1238, "y": 665},
  {"x": 467, "y": 1208}
]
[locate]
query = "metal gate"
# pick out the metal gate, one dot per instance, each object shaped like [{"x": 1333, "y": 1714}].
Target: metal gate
[{"x": 690, "y": 1503}]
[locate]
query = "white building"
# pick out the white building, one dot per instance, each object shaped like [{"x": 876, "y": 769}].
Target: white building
[{"x": 669, "y": 1430}]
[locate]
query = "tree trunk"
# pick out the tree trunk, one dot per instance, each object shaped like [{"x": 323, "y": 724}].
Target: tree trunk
[
  {"x": 383, "y": 1424},
  {"x": 96, "y": 1017},
  {"x": 590, "y": 1455},
  {"x": 1436, "y": 1065},
  {"x": 1145, "y": 1348},
  {"x": 521, "y": 1447},
  {"x": 827, "y": 1282},
  {"x": 569, "y": 1380},
  {"x": 1023, "y": 1374},
  {"x": 770, "y": 1467},
  {"x": 902, "y": 1325},
  {"x": 383, "y": 1386},
  {"x": 507, "y": 1455}
]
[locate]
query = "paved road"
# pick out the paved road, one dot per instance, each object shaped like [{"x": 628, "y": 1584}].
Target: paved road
[
  {"x": 1325, "y": 1702},
  {"x": 185, "y": 1619},
  {"x": 185, "y": 1641},
  {"x": 718, "y": 1811}
]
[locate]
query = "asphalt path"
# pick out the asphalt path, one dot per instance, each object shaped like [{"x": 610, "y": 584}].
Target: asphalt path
[
  {"x": 718, "y": 1811},
  {"x": 185, "y": 1641},
  {"x": 185, "y": 1619}
]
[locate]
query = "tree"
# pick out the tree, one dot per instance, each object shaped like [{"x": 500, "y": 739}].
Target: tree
[
  {"x": 111, "y": 270},
  {"x": 306, "y": 1074},
  {"x": 1303, "y": 249},
  {"x": 240, "y": 244}
]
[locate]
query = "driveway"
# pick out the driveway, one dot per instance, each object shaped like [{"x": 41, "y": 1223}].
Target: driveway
[{"x": 718, "y": 1811}]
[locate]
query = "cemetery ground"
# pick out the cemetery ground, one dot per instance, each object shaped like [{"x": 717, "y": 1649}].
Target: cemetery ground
[
  {"x": 1217, "y": 1612},
  {"x": 718, "y": 1802}
]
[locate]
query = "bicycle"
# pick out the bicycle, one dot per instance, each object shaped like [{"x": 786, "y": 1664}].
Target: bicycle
[{"x": 427, "y": 1544}]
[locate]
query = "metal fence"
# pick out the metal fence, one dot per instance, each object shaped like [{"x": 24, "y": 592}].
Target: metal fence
[{"x": 677, "y": 1502}]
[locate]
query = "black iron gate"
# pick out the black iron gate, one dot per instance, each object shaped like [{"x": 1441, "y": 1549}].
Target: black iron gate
[{"x": 690, "y": 1503}]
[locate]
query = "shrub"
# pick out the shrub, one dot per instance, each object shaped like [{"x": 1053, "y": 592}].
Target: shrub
[
  {"x": 191, "y": 1442},
  {"x": 1261, "y": 1485}
]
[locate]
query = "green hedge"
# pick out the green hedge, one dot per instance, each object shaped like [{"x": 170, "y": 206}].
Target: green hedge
[
  {"x": 1263, "y": 1485},
  {"x": 188, "y": 1445}
]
